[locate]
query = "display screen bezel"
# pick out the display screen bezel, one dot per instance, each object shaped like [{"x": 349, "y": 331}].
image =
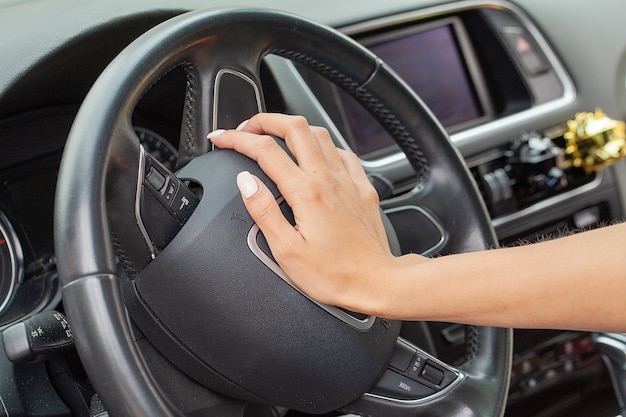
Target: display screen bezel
[{"x": 471, "y": 71}]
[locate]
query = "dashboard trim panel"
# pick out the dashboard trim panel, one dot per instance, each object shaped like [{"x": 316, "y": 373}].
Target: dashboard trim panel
[{"x": 497, "y": 125}]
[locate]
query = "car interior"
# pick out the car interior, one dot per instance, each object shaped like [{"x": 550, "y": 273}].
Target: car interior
[{"x": 134, "y": 283}]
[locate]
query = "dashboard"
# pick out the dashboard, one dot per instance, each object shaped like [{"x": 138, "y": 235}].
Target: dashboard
[{"x": 504, "y": 78}]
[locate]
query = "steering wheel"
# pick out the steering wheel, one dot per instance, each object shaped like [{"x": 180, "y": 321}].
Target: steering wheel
[{"x": 180, "y": 257}]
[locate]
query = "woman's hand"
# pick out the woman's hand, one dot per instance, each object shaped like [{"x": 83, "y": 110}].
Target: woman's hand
[{"x": 338, "y": 248}]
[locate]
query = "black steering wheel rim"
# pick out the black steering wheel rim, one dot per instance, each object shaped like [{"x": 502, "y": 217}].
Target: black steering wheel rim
[{"x": 86, "y": 258}]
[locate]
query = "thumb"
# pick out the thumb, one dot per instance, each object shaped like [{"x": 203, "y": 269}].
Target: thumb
[
  {"x": 248, "y": 185},
  {"x": 262, "y": 207}
]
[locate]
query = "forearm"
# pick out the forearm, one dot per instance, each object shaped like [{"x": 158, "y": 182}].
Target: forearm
[{"x": 577, "y": 282}]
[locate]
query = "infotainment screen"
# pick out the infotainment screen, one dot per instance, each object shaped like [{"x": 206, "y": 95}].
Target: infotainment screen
[{"x": 433, "y": 61}]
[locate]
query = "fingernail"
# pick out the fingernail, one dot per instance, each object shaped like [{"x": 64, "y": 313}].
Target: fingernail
[
  {"x": 242, "y": 124},
  {"x": 247, "y": 184},
  {"x": 215, "y": 133}
]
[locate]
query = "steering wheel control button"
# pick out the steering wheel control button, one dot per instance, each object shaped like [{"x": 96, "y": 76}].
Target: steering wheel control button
[
  {"x": 172, "y": 193},
  {"x": 165, "y": 204},
  {"x": 409, "y": 362},
  {"x": 436, "y": 375},
  {"x": 402, "y": 356},
  {"x": 398, "y": 386},
  {"x": 155, "y": 179},
  {"x": 183, "y": 203},
  {"x": 416, "y": 366},
  {"x": 432, "y": 374}
]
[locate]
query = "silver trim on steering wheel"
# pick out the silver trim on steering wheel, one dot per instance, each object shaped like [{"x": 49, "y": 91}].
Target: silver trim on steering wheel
[
  {"x": 360, "y": 324},
  {"x": 142, "y": 227}
]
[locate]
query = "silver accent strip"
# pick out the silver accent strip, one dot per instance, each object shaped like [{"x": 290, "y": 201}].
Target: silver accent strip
[
  {"x": 216, "y": 91},
  {"x": 140, "y": 178},
  {"x": 460, "y": 377},
  {"x": 359, "y": 324},
  {"x": 549, "y": 202},
  {"x": 17, "y": 258},
  {"x": 435, "y": 223},
  {"x": 6, "y": 412},
  {"x": 468, "y": 135},
  {"x": 617, "y": 341}
]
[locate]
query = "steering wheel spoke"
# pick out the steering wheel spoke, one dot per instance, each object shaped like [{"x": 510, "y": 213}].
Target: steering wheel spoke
[
  {"x": 146, "y": 203},
  {"x": 418, "y": 229},
  {"x": 223, "y": 89}
]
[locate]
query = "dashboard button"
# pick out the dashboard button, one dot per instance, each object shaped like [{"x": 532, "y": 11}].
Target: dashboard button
[{"x": 526, "y": 50}]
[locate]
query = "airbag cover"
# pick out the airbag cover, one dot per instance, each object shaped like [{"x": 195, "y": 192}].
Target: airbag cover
[{"x": 235, "y": 318}]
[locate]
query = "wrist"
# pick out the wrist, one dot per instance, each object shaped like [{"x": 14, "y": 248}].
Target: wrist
[{"x": 390, "y": 290}]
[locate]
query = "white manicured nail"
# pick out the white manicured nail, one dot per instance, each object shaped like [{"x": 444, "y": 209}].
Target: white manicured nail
[
  {"x": 215, "y": 133},
  {"x": 247, "y": 184}
]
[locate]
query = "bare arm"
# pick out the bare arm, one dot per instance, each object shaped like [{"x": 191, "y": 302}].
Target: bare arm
[
  {"x": 344, "y": 259},
  {"x": 576, "y": 282}
]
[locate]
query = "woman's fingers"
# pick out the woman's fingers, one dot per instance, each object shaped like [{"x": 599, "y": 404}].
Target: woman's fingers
[
  {"x": 263, "y": 208},
  {"x": 315, "y": 152},
  {"x": 355, "y": 171},
  {"x": 272, "y": 159},
  {"x": 312, "y": 146},
  {"x": 329, "y": 151}
]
